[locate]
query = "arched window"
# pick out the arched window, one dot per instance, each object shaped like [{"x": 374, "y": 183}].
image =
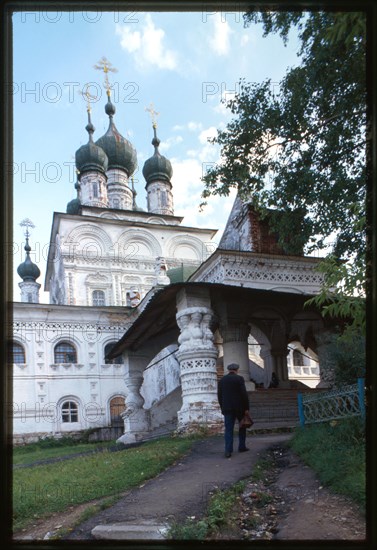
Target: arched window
[
  {"x": 70, "y": 412},
  {"x": 98, "y": 298},
  {"x": 117, "y": 360},
  {"x": 16, "y": 353},
  {"x": 95, "y": 190},
  {"x": 65, "y": 353}
]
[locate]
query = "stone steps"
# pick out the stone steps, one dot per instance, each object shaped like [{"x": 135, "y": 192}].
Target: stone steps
[
  {"x": 160, "y": 431},
  {"x": 275, "y": 408}
]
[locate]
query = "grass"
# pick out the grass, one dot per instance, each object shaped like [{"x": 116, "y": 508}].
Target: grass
[
  {"x": 221, "y": 513},
  {"x": 33, "y": 453},
  {"x": 223, "y": 508},
  {"x": 42, "y": 490},
  {"x": 262, "y": 467},
  {"x": 336, "y": 452}
]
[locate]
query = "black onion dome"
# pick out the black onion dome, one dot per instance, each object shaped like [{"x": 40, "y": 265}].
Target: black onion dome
[
  {"x": 120, "y": 152},
  {"x": 157, "y": 167},
  {"x": 28, "y": 271},
  {"x": 90, "y": 156},
  {"x": 74, "y": 206}
]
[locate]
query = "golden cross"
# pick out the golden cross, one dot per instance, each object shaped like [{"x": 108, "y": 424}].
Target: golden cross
[
  {"x": 105, "y": 66},
  {"x": 27, "y": 223},
  {"x": 87, "y": 96},
  {"x": 153, "y": 114}
]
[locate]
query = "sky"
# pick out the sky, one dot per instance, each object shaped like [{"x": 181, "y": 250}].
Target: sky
[{"x": 183, "y": 63}]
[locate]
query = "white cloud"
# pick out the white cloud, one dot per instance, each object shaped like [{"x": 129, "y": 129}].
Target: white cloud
[
  {"x": 206, "y": 134},
  {"x": 192, "y": 126},
  {"x": 187, "y": 189},
  {"x": 147, "y": 45},
  {"x": 219, "y": 41},
  {"x": 165, "y": 145}
]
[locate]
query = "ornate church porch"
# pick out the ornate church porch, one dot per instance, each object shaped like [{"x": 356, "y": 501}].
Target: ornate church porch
[{"x": 197, "y": 316}]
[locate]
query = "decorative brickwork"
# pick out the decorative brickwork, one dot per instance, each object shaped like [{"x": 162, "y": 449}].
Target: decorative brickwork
[{"x": 262, "y": 240}]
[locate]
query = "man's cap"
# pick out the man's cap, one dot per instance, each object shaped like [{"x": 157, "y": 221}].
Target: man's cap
[{"x": 233, "y": 366}]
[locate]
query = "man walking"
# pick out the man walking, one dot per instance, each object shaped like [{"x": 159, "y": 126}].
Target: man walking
[{"x": 234, "y": 402}]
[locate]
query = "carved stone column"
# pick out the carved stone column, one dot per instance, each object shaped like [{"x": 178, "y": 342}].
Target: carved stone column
[
  {"x": 281, "y": 366},
  {"x": 236, "y": 349},
  {"x": 136, "y": 420},
  {"x": 197, "y": 356},
  {"x": 268, "y": 362}
]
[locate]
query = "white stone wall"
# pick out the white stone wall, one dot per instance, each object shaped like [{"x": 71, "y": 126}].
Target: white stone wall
[
  {"x": 162, "y": 378},
  {"x": 30, "y": 292},
  {"x": 40, "y": 385},
  {"x": 93, "y": 189},
  {"x": 160, "y": 198},
  {"x": 115, "y": 257}
]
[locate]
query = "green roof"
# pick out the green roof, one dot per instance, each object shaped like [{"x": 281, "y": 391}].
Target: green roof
[{"x": 181, "y": 274}]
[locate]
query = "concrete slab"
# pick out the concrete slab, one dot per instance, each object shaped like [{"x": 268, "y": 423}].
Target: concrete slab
[{"x": 147, "y": 530}]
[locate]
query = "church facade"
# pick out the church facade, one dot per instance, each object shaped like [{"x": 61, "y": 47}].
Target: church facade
[
  {"x": 142, "y": 317},
  {"x": 105, "y": 254}
]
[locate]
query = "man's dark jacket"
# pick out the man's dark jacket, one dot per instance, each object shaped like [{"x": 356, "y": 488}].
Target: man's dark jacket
[{"x": 232, "y": 394}]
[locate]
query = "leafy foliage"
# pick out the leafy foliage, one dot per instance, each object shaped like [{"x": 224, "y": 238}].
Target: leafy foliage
[
  {"x": 344, "y": 356},
  {"x": 300, "y": 152}
]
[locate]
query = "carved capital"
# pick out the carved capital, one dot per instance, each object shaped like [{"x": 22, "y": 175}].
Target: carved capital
[{"x": 194, "y": 323}]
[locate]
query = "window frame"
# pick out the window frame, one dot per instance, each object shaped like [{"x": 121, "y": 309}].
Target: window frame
[
  {"x": 70, "y": 409},
  {"x": 117, "y": 360},
  {"x": 72, "y": 351},
  {"x": 12, "y": 354},
  {"x": 95, "y": 299}
]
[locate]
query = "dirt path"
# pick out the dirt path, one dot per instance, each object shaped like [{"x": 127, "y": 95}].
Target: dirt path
[
  {"x": 289, "y": 503},
  {"x": 296, "y": 507}
]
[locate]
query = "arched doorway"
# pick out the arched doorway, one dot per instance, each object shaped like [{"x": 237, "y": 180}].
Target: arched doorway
[{"x": 117, "y": 406}]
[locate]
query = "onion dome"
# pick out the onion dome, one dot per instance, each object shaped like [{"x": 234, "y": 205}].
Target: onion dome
[
  {"x": 28, "y": 271},
  {"x": 74, "y": 206},
  {"x": 90, "y": 156},
  {"x": 120, "y": 152},
  {"x": 157, "y": 167}
]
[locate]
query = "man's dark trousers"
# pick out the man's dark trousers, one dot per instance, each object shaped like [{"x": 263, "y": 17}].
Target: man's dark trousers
[
  {"x": 229, "y": 421},
  {"x": 234, "y": 401}
]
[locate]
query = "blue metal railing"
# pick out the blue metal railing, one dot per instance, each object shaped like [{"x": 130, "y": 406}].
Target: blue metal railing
[{"x": 331, "y": 405}]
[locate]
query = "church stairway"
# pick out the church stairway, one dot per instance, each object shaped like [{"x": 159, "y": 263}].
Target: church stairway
[{"x": 275, "y": 408}]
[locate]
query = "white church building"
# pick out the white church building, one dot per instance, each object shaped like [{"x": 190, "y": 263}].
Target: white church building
[{"x": 126, "y": 345}]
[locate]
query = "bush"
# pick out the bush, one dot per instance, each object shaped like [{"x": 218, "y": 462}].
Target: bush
[{"x": 342, "y": 357}]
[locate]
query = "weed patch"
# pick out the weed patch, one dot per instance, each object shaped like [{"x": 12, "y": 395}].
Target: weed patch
[
  {"x": 221, "y": 515},
  {"x": 336, "y": 452}
]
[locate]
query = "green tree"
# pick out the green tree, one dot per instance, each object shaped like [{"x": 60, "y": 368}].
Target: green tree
[{"x": 300, "y": 151}]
